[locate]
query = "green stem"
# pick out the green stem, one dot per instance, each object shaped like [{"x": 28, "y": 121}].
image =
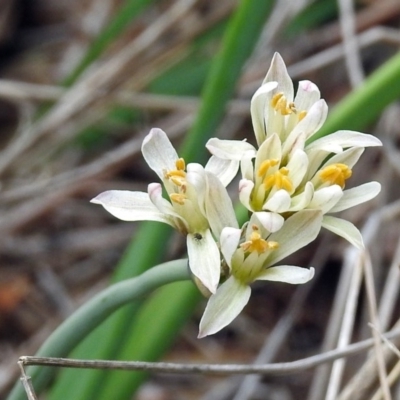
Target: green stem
[{"x": 92, "y": 313}]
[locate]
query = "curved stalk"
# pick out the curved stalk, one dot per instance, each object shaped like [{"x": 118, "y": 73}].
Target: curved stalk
[{"x": 92, "y": 313}]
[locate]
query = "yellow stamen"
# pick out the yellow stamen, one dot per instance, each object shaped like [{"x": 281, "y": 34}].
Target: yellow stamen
[
  {"x": 335, "y": 174},
  {"x": 266, "y": 165},
  {"x": 258, "y": 244},
  {"x": 275, "y": 98},
  {"x": 177, "y": 180},
  {"x": 279, "y": 180},
  {"x": 178, "y": 198},
  {"x": 180, "y": 164},
  {"x": 279, "y": 103},
  {"x": 177, "y": 176}
]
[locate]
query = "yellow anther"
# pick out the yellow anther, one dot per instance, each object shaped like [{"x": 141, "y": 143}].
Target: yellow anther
[
  {"x": 273, "y": 245},
  {"x": 279, "y": 180},
  {"x": 302, "y": 114},
  {"x": 282, "y": 106},
  {"x": 335, "y": 174},
  {"x": 279, "y": 103},
  {"x": 275, "y": 98},
  {"x": 266, "y": 165},
  {"x": 177, "y": 176},
  {"x": 178, "y": 181},
  {"x": 258, "y": 244},
  {"x": 180, "y": 164},
  {"x": 178, "y": 198}
]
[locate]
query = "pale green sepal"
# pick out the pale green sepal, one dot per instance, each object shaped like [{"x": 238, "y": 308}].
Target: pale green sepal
[
  {"x": 287, "y": 273},
  {"x": 224, "y": 306},
  {"x": 359, "y": 194},
  {"x": 204, "y": 258},
  {"x": 131, "y": 206},
  {"x": 345, "y": 229}
]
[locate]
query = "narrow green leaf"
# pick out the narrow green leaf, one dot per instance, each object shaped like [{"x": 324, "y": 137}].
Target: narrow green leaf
[
  {"x": 363, "y": 106},
  {"x": 239, "y": 41}
]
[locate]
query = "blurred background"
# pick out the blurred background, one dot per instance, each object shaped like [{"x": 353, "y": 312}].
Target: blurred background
[{"x": 81, "y": 84}]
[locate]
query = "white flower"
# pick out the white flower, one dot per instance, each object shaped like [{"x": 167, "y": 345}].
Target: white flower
[
  {"x": 267, "y": 240},
  {"x": 199, "y": 205},
  {"x": 286, "y": 174}
]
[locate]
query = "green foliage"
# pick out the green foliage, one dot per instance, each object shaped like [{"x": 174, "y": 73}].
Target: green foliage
[{"x": 315, "y": 14}]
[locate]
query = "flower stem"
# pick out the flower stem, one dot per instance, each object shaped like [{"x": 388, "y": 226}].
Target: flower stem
[{"x": 91, "y": 314}]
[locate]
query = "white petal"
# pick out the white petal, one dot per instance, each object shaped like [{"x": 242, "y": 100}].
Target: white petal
[
  {"x": 204, "y": 259},
  {"x": 272, "y": 222},
  {"x": 155, "y": 194},
  {"x": 196, "y": 185},
  {"x": 278, "y": 202},
  {"x": 270, "y": 149},
  {"x": 245, "y": 188},
  {"x": 229, "y": 149},
  {"x": 218, "y": 206},
  {"x": 229, "y": 241},
  {"x": 359, "y": 194},
  {"x": 303, "y": 199},
  {"x": 345, "y": 229},
  {"x": 287, "y": 273},
  {"x": 224, "y": 306},
  {"x": 344, "y": 139},
  {"x": 260, "y": 103},
  {"x": 348, "y": 157},
  {"x": 131, "y": 206},
  {"x": 326, "y": 198},
  {"x": 307, "y": 94},
  {"x": 277, "y": 72},
  {"x": 247, "y": 167},
  {"x": 297, "y": 166},
  {"x": 158, "y": 152},
  {"x": 310, "y": 124},
  {"x": 298, "y": 230},
  {"x": 225, "y": 170}
]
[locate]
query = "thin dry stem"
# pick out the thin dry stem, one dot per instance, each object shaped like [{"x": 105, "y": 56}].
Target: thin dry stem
[
  {"x": 373, "y": 313},
  {"x": 350, "y": 44}
]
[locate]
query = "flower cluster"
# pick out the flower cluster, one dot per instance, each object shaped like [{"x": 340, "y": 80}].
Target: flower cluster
[{"x": 289, "y": 184}]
